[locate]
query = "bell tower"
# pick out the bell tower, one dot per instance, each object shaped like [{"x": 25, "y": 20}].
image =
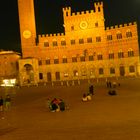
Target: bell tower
[{"x": 27, "y": 26}]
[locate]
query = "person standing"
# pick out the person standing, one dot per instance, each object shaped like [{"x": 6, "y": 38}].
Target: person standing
[
  {"x": 91, "y": 89},
  {"x": 7, "y": 102},
  {"x": 1, "y": 103}
]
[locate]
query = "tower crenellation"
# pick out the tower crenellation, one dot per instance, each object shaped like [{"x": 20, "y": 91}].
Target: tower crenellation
[
  {"x": 98, "y": 6},
  {"x": 67, "y": 11}
]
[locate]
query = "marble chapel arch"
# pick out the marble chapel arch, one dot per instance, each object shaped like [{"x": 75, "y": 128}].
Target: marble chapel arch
[{"x": 85, "y": 50}]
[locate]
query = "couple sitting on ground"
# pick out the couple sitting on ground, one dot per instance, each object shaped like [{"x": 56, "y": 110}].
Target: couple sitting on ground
[
  {"x": 86, "y": 97},
  {"x": 56, "y": 105}
]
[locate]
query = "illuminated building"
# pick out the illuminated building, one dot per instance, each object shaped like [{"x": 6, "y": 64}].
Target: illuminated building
[
  {"x": 86, "y": 50},
  {"x": 8, "y": 66}
]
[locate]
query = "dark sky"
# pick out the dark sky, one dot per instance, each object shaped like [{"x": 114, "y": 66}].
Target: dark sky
[{"x": 49, "y": 17}]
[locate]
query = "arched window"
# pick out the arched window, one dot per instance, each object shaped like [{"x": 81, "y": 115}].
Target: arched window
[
  {"x": 64, "y": 59},
  {"x": 111, "y": 55},
  {"x": 112, "y": 70},
  {"x": 128, "y": 33},
  {"x": 101, "y": 71},
  {"x": 119, "y": 35},
  {"x": 109, "y": 36},
  {"x": 120, "y": 54},
  {"x": 131, "y": 69},
  {"x": 55, "y": 43},
  {"x": 46, "y": 43},
  {"x": 63, "y": 42},
  {"x": 100, "y": 56},
  {"x": 130, "y": 53}
]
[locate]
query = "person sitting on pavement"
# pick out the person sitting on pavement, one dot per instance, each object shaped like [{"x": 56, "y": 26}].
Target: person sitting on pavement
[
  {"x": 84, "y": 98},
  {"x": 61, "y": 105},
  {"x": 49, "y": 105},
  {"x": 55, "y": 106},
  {"x": 89, "y": 96}
]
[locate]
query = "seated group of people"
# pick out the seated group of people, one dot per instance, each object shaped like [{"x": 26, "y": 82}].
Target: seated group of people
[
  {"x": 56, "y": 105},
  {"x": 112, "y": 92},
  {"x": 86, "y": 97}
]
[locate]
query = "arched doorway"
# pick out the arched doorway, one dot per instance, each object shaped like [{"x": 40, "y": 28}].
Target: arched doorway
[{"x": 28, "y": 74}]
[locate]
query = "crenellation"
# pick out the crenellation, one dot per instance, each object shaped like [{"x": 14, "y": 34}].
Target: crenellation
[
  {"x": 78, "y": 13},
  {"x": 120, "y": 25},
  {"x": 130, "y": 23},
  {"x": 87, "y": 12},
  {"x": 62, "y": 34},
  {"x": 92, "y": 11},
  {"x": 50, "y": 35},
  {"x": 66, "y": 8},
  {"x": 73, "y": 14},
  {"x": 98, "y": 3},
  {"x": 107, "y": 28},
  {"x": 125, "y": 25}
]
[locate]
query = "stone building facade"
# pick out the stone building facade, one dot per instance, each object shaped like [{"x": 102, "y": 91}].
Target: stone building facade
[
  {"x": 9, "y": 65},
  {"x": 86, "y": 50}
]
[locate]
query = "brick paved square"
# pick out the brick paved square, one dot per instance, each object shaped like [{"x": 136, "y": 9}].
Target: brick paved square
[{"x": 105, "y": 117}]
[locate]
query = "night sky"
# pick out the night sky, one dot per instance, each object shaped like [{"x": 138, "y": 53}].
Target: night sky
[{"x": 49, "y": 17}]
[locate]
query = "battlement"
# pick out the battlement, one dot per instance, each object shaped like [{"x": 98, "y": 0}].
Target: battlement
[
  {"x": 83, "y": 13},
  {"x": 98, "y": 7},
  {"x": 66, "y": 8},
  {"x": 121, "y": 25},
  {"x": 51, "y": 35},
  {"x": 98, "y": 4},
  {"x": 67, "y": 11}
]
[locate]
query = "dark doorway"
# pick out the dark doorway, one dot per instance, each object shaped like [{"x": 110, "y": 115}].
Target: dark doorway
[
  {"x": 122, "y": 71},
  {"x": 49, "y": 77},
  {"x": 57, "y": 75}
]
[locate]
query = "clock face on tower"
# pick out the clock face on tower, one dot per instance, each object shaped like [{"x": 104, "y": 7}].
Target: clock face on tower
[
  {"x": 26, "y": 34},
  {"x": 83, "y": 25}
]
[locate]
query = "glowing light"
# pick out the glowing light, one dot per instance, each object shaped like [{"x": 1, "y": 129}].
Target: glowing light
[{"x": 8, "y": 82}]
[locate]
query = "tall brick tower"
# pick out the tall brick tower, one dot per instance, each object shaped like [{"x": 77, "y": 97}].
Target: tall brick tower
[{"x": 27, "y": 26}]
